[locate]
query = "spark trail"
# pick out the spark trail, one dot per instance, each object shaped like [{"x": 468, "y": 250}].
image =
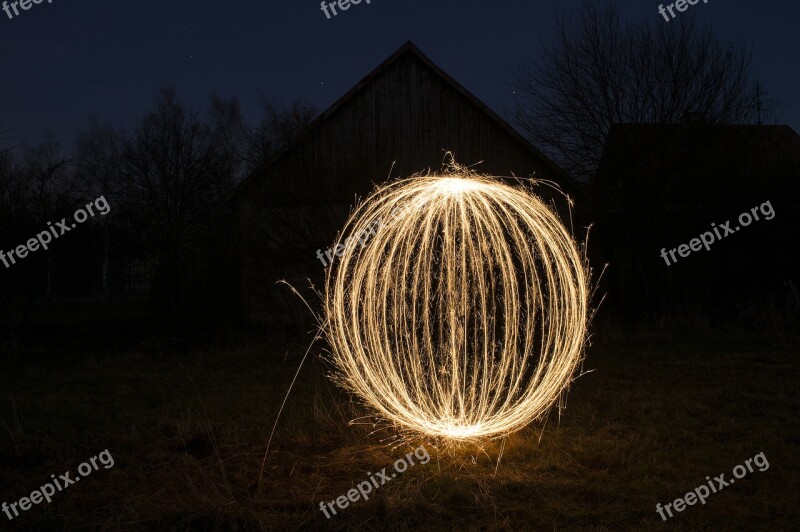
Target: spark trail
[{"x": 465, "y": 316}]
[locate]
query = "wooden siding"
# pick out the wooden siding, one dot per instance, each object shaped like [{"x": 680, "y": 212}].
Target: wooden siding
[
  {"x": 407, "y": 115},
  {"x": 400, "y": 120}
]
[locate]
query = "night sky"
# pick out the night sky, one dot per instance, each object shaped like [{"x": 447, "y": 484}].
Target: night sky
[{"x": 65, "y": 61}]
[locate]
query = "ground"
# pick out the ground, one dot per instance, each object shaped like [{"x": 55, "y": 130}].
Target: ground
[{"x": 652, "y": 415}]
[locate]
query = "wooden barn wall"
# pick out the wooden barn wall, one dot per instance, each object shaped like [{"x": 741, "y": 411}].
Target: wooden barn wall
[{"x": 407, "y": 115}]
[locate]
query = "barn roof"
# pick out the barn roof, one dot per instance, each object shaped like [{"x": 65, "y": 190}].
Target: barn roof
[
  {"x": 694, "y": 164},
  {"x": 775, "y": 142},
  {"x": 561, "y": 177}
]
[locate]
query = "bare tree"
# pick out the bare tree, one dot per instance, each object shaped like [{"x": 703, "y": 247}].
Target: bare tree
[
  {"x": 165, "y": 179},
  {"x": 14, "y": 211},
  {"x": 598, "y": 71},
  {"x": 227, "y": 125},
  {"x": 35, "y": 187},
  {"x": 98, "y": 155},
  {"x": 53, "y": 188},
  {"x": 278, "y": 127},
  {"x": 174, "y": 171}
]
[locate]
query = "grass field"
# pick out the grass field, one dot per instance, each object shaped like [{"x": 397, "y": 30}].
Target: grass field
[{"x": 651, "y": 417}]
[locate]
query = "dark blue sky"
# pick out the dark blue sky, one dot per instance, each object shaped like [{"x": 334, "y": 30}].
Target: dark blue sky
[{"x": 64, "y": 61}]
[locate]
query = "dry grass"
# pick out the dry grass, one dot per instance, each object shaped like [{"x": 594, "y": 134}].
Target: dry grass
[{"x": 656, "y": 416}]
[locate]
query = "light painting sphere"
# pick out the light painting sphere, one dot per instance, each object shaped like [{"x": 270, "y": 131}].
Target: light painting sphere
[{"x": 456, "y": 306}]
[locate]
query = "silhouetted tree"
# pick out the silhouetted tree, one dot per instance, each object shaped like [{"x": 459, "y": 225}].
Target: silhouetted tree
[
  {"x": 174, "y": 170},
  {"x": 598, "y": 70},
  {"x": 35, "y": 187},
  {"x": 278, "y": 127},
  {"x": 98, "y": 156},
  {"x": 14, "y": 213}
]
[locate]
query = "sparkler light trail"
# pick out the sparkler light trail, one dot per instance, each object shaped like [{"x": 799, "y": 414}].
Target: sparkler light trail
[{"x": 464, "y": 316}]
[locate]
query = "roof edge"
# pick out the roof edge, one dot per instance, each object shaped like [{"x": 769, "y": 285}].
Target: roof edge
[{"x": 408, "y": 47}]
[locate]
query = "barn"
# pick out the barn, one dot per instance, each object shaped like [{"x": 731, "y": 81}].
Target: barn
[
  {"x": 402, "y": 118},
  {"x": 660, "y": 185}
]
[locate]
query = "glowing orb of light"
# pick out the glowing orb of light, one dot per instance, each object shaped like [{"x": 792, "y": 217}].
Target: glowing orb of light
[{"x": 461, "y": 310}]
